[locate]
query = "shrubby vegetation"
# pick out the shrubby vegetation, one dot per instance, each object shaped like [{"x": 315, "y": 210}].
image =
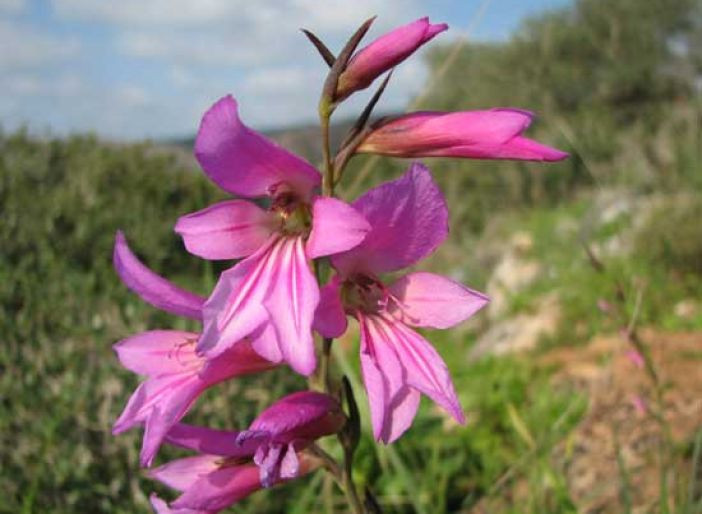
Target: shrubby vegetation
[{"x": 614, "y": 82}]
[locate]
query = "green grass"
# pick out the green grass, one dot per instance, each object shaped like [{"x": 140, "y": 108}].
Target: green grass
[
  {"x": 559, "y": 234},
  {"x": 61, "y": 386},
  {"x": 62, "y": 306}
]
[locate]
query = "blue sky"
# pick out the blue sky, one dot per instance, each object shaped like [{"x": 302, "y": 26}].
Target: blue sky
[{"x": 130, "y": 69}]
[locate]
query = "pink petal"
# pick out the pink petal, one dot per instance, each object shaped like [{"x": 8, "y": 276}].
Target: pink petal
[
  {"x": 159, "y": 403},
  {"x": 163, "y": 416},
  {"x": 290, "y": 465},
  {"x": 161, "y": 507},
  {"x": 264, "y": 341},
  {"x": 181, "y": 474},
  {"x": 221, "y": 488},
  {"x": 275, "y": 287},
  {"x": 156, "y": 352},
  {"x": 240, "y": 359},
  {"x": 227, "y": 230},
  {"x": 269, "y": 465},
  {"x": 210, "y": 441},
  {"x": 151, "y": 287},
  {"x": 434, "y": 129},
  {"x": 291, "y": 300},
  {"x": 235, "y": 309},
  {"x": 301, "y": 415},
  {"x": 409, "y": 220},
  {"x": 336, "y": 227},
  {"x": 244, "y": 162},
  {"x": 426, "y": 370},
  {"x": 151, "y": 393},
  {"x": 519, "y": 148},
  {"x": 393, "y": 405},
  {"x": 330, "y": 318},
  {"x": 429, "y": 300}
]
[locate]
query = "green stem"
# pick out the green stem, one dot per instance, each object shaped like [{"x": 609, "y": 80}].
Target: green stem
[
  {"x": 325, "y": 112},
  {"x": 349, "y": 486},
  {"x": 325, "y": 362}
]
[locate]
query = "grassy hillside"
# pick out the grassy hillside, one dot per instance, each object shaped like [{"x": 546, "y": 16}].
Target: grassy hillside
[{"x": 631, "y": 195}]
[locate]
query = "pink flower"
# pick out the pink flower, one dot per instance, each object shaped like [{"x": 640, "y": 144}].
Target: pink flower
[
  {"x": 384, "y": 53},
  {"x": 232, "y": 465},
  {"x": 636, "y": 358},
  {"x": 639, "y": 404},
  {"x": 491, "y": 134},
  {"x": 409, "y": 220},
  {"x": 177, "y": 375},
  {"x": 271, "y": 295}
]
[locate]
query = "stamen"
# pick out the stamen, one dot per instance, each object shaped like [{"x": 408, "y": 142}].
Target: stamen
[{"x": 405, "y": 316}]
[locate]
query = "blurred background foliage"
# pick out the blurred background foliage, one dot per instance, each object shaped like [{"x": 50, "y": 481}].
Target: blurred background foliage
[{"x": 614, "y": 82}]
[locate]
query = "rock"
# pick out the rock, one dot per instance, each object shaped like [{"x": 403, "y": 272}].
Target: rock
[
  {"x": 686, "y": 309},
  {"x": 520, "y": 333},
  {"x": 513, "y": 273}
]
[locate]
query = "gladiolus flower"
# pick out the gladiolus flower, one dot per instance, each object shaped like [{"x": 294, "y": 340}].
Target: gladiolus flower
[
  {"x": 384, "y": 53},
  {"x": 232, "y": 465},
  {"x": 177, "y": 375},
  {"x": 409, "y": 220},
  {"x": 270, "y": 296},
  {"x": 491, "y": 134}
]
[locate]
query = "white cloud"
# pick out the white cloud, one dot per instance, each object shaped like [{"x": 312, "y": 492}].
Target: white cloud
[
  {"x": 194, "y": 52},
  {"x": 132, "y": 96},
  {"x": 230, "y": 31},
  {"x": 213, "y": 48},
  {"x": 21, "y": 84},
  {"x": 29, "y": 84},
  {"x": 25, "y": 47},
  {"x": 331, "y": 14},
  {"x": 274, "y": 80},
  {"x": 148, "y": 13},
  {"x": 13, "y": 6},
  {"x": 181, "y": 77}
]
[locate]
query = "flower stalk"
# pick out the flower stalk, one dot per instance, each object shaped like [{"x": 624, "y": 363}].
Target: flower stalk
[
  {"x": 325, "y": 112},
  {"x": 303, "y": 262}
]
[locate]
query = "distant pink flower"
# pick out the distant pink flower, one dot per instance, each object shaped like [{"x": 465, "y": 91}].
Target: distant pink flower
[
  {"x": 604, "y": 306},
  {"x": 270, "y": 296},
  {"x": 639, "y": 404},
  {"x": 491, "y": 134},
  {"x": 232, "y": 465},
  {"x": 384, "y": 53},
  {"x": 409, "y": 220},
  {"x": 177, "y": 375},
  {"x": 636, "y": 358}
]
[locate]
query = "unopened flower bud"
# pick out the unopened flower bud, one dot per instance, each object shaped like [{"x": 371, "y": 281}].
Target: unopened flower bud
[
  {"x": 384, "y": 53},
  {"x": 490, "y": 134}
]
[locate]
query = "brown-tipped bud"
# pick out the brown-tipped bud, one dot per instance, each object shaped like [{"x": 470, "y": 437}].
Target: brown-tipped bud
[
  {"x": 491, "y": 134},
  {"x": 328, "y": 99},
  {"x": 384, "y": 53}
]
